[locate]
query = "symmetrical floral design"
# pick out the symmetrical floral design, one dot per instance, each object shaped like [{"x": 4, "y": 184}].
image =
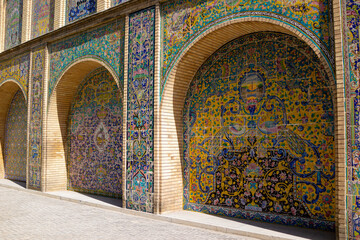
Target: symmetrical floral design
[
  {"x": 95, "y": 136},
  {"x": 105, "y": 43},
  {"x": 16, "y": 69},
  {"x": 35, "y": 127},
  {"x": 15, "y": 139},
  {"x": 184, "y": 20},
  {"x": 13, "y": 24},
  {"x": 43, "y": 17},
  {"x": 352, "y": 95},
  {"x": 77, "y": 9},
  {"x": 140, "y": 112},
  {"x": 259, "y": 134}
]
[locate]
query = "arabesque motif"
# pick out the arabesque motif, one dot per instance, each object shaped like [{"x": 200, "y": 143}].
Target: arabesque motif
[
  {"x": 43, "y": 17},
  {"x": 13, "y": 23},
  {"x": 16, "y": 69},
  {"x": 259, "y": 134},
  {"x": 105, "y": 43},
  {"x": 182, "y": 20},
  {"x": 95, "y": 136},
  {"x": 77, "y": 9},
  {"x": 140, "y": 112},
  {"x": 352, "y": 95},
  {"x": 36, "y": 113},
  {"x": 15, "y": 139}
]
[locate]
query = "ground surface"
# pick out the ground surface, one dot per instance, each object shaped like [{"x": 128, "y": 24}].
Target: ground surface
[{"x": 24, "y": 215}]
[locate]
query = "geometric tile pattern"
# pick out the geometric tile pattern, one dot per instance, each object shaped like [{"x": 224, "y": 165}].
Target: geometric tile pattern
[
  {"x": 140, "y": 112},
  {"x": 353, "y": 119},
  {"x": 13, "y": 23},
  {"x": 259, "y": 134},
  {"x": 43, "y": 17},
  {"x": 95, "y": 136},
  {"x": 17, "y": 69},
  {"x": 105, "y": 43},
  {"x": 77, "y": 9},
  {"x": 15, "y": 139},
  {"x": 35, "y": 129},
  {"x": 183, "y": 20}
]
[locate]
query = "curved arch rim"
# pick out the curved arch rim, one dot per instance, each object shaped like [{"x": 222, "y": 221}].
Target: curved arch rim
[{"x": 256, "y": 17}]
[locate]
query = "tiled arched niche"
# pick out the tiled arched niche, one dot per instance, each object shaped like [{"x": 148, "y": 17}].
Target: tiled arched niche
[
  {"x": 174, "y": 193},
  {"x": 12, "y": 154},
  {"x": 84, "y": 111}
]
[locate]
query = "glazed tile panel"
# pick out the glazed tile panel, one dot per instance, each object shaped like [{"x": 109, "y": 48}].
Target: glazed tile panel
[
  {"x": 105, "y": 43},
  {"x": 353, "y": 120},
  {"x": 77, "y": 9},
  {"x": 15, "y": 139},
  {"x": 36, "y": 113},
  {"x": 13, "y": 24},
  {"x": 117, "y": 2},
  {"x": 140, "y": 112},
  {"x": 43, "y": 17},
  {"x": 95, "y": 136},
  {"x": 16, "y": 69},
  {"x": 183, "y": 20},
  {"x": 259, "y": 134}
]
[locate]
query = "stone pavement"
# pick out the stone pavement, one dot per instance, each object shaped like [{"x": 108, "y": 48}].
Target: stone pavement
[{"x": 27, "y": 214}]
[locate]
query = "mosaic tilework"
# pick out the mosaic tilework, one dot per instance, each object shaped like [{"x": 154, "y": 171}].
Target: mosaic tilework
[
  {"x": 16, "y": 69},
  {"x": 95, "y": 136},
  {"x": 43, "y": 17},
  {"x": 35, "y": 130},
  {"x": 15, "y": 139},
  {"x": 353, "y": 120},
  {"x": 259, "y": 134},
  {"x": 13, "y": 23},
  {"x": 140, "y": 112},
  {"x": 105, "y": 43},
  {"x": 183, "y": 20},
  {"x": 77, "y": 9},
  {"x": 117, "y": 2}
]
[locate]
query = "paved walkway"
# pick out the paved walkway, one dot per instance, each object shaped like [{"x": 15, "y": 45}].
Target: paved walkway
[{"x": 27, "y": 214}]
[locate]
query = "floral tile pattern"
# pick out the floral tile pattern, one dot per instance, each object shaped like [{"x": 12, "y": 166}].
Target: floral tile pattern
[
  {"x": 352, "y": 95},
  {"x": 77, "y": 9},
  {"x": 95, "y": 136},
  {"x": 117, "y": 2},
  {"x": 13, "y": 23},
  {"x": 43, "y": 17},
  {"x": 36, "y": 113},
  {"x": 16, "y": 69},
  {"x": 259, "y": 134},
  {"x": 183, "y": 20},
  {"x": 140, "y": 112},
  {"x": 15, "y": 139},
  {"x": 105, "y": 43}
]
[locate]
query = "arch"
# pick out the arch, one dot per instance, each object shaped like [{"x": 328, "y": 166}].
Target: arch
[
  {"x": 193, "y": 55},
  {"x": 8, "y": 89},
  {"x": 59, "y": 105}
]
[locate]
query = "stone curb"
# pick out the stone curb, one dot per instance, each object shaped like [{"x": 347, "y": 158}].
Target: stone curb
[{"x": 154, "y": 216}]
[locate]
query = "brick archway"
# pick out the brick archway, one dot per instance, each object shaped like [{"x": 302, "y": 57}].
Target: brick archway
[
  {"x": 171, "y": 116},
  {"x": 54, "y": 170},
  {"x": 8, "y": 89}
]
